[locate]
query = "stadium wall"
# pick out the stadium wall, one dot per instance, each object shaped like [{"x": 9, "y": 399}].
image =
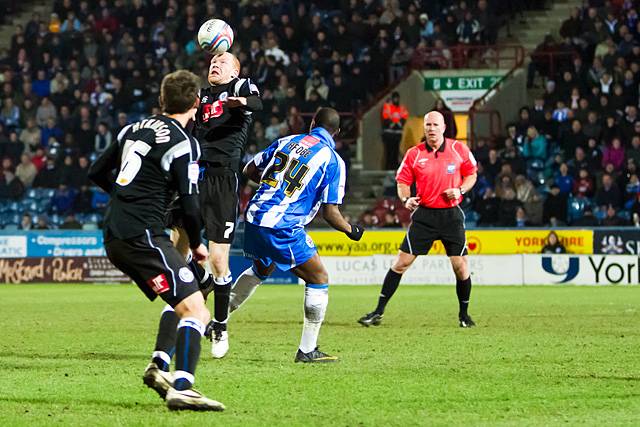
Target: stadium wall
[{"x": 498, "y": 257}]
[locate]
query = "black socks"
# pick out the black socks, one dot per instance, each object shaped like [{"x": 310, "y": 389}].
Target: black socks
[
  {"x": 389, "y": 286},
  {"x": 463, "y": 290}
]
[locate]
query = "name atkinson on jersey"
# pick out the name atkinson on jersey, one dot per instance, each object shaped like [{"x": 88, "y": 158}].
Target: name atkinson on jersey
[{"x": 160, "y": 128}]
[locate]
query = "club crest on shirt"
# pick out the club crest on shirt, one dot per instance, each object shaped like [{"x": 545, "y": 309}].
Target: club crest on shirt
[
  {"x": 223, "y": 96},
  {"x": 451, "y": 168}
]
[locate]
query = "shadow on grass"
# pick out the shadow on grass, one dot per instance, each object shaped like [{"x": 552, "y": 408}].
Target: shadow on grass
[
  {"x": 79, "y": 356},
  {"x": 605, "y": 377},
  {"x": 94, "y": 402}
]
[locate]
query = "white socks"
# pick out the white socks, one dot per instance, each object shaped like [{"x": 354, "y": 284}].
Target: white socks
[
  {"x": 316, "y": 298},
  {"x": 243, "y": 288}
]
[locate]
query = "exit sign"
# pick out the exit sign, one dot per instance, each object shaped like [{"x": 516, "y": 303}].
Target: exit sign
[{"x": 461, "y": 83}]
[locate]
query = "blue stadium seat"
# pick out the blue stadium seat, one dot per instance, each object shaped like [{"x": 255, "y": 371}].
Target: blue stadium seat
[
  {"x": 89, "y": 226},
  {"x": 14, "y": 207},
  {"x": 32, "y": 193},
  {"x": 14, "y": 219}
]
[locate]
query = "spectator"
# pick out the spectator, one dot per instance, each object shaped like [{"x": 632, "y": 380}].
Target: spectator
[
  {"x": 10, "y": 114},
  {"x": 99, "y": 200},
  {"x": 535, "y": 145},
  {"x": 614, "y": 154},
  {"x": 31, "y": 136},
  {"x": 26, "y": 170},
  {"x": 587, "y": 219},
  {"x": 26, "y": 222},
  {"x": 633, "y": 152},
  {"x": 555, "y": 207},
  {"x": 48, "y": 177},
  {"x": 103, "y": 138},
  {"x": 553, "y": 245},
  {"x": 488, "y": 208},
  {"x": 70, "y": 223},
  {"x": 612, "y": 219},
  {"x": 468, "y": 30},
  {"x": 45, "y": 111},
  {"x": 51, "y": 133},
  {"x": 42, "y": 223},
  {"x": 63, "y": 199},
  {"x": 394, "y": 116},
  {"x": 583, "y": 186},
  {"x": 564, "y": 180},
  {"x": 608, "y": 194},
  {"x": 10, "y": 186}
]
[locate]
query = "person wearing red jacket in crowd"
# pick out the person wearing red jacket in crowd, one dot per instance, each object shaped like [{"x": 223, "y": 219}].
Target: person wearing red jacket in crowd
[
  {"x": 394, "y": 116},
  {"x": 443, "y": 170}
]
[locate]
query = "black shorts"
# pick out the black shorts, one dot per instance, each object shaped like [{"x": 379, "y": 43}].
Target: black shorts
[
  {"x": 219, "y": 204},
  {"x": 428, "y": 225},
  {"x": 155, "y": 265}
]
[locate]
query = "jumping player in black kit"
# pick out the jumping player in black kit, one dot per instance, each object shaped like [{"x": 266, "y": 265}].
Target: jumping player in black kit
[
  {"x": 153, "y": 159},
  {"x": 222, "y": 126}
]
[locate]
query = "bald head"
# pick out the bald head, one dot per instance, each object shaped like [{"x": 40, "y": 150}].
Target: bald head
[
  {"x": 434, "y": 128},
  {"x": 224, "y": 67}
]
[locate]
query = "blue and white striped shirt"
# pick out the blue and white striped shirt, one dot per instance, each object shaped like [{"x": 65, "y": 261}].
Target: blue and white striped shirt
[{"x": 300, "y": 173}]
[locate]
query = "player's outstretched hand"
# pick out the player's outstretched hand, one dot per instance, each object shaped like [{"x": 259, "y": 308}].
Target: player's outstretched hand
[
  {"x": 200, "y": 253},
  {"x": 356, "y": 232}
]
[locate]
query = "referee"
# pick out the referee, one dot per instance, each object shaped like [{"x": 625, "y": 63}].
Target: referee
[{"x": 443, "y": 170}]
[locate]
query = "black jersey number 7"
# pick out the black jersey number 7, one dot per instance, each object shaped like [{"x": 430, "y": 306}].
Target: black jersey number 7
[{"x": 293, "y": 176}]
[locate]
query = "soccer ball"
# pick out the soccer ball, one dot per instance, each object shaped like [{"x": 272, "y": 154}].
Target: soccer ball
[{"x": 215, "y": 36}]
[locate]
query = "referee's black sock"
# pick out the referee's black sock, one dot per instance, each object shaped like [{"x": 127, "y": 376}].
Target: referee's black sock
[
  {"x": 166, "y": 339},
  {"x": 190, "y": 331},
  {"x": 389, "y": 286},
  {"x": 221, "y": 291},
  {"x": 463, "y": 290}
]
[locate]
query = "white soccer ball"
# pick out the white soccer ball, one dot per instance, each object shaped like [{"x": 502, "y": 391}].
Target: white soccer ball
[{"x": 215, "y": 36}]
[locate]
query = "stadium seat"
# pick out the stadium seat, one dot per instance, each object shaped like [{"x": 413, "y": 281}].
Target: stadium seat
[
  {"x": 11, "y": 227},
  {"x": 89, "y": 226}
]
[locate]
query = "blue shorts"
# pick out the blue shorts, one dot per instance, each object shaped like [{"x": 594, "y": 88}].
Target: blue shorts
[{"x": 284, "y": 248}]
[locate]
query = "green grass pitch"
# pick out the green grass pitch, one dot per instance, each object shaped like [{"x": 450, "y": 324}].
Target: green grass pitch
[{"x": 73, "y": 355}]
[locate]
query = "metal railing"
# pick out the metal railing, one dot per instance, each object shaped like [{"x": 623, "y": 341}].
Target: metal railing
[
  {"x": 468, "y": 56},
  {"x": 548, "y": 63}
]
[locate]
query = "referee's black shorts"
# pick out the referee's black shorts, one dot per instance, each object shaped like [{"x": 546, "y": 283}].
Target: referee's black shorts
[
  {"x": 154, "y": 264},
  {"x": 219, "y": 202},
  {"x": 430, "y": 224}
]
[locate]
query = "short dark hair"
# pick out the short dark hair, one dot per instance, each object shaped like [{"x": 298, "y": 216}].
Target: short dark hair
[
  {"x": 179, "y": 91},
  {"x": 327, "y": 118}
]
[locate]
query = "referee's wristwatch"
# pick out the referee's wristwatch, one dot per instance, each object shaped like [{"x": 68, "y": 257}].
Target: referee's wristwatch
[
  {"x": 404, "y": 200},
  {"x": 461, "y": 191}
]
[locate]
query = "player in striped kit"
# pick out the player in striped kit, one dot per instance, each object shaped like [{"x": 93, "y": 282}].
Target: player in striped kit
[{"x": 298, "y": 175}]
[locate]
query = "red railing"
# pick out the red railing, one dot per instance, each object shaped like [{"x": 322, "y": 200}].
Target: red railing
[
  {"x": 548, "y": 63},
  {"x": 467, "y": 56},
  {"x": 494, "y": 125}
]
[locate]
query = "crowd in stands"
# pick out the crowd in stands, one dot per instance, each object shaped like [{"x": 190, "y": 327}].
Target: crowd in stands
[
  {"x": 572, "y": 157},
  {"x": 71, "y": 80}
]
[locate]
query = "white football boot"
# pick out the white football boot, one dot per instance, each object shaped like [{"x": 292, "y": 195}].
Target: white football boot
[
  {"x": 157, "y": 379},
  {"x": 191, "y": 399},
  {"x": 219, "y": 344}
]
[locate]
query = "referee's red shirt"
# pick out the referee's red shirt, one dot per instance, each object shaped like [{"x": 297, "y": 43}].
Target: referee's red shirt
[{"x": 436, "y": 171}]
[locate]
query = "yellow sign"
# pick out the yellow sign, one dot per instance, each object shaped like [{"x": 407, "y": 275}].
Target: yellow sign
[{"x": 486, "y": 242}]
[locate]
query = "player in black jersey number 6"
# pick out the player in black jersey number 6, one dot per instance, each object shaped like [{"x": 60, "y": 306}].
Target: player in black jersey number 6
[{"x": 153, "y": 159}]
